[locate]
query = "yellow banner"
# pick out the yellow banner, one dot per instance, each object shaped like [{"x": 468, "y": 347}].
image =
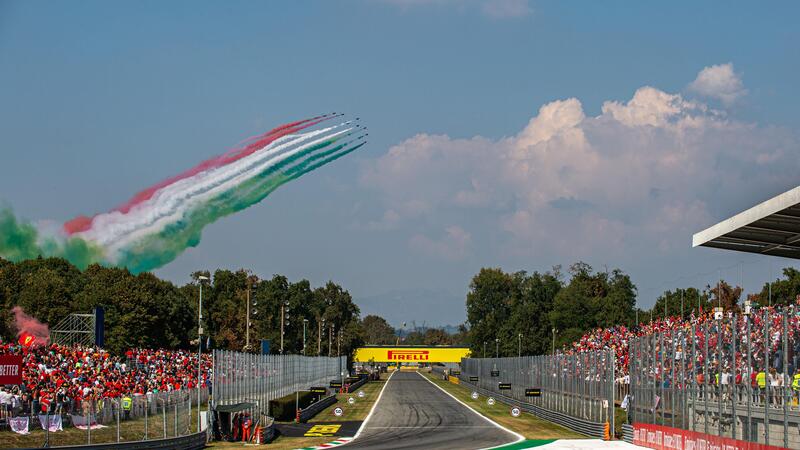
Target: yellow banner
[{"x": 411, "y": 354}]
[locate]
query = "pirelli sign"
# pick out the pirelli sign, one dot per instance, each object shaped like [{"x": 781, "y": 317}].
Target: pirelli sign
[{"x": 411, "y": 354}]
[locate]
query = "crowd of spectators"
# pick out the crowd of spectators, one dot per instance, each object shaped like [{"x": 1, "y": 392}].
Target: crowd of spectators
[
  {"x": 64, "y": 378},
  {"x": 706, "y": 348}
]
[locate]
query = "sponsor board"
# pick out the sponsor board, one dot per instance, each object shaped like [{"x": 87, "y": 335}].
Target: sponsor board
[
  {"x": 473, "y": 379},
  {"x": 455, "y": 373},
  {"x": 668, "y": 438},
  {"x": 533, "y": 392},
  {"x": 504, "y": 386},
  {"x": 495, "y": 373},
  {"x": 10, "y": 369},
  {"x": 318, "y": 390},
  {"x": 411, "y": 354},
  {"x": 335, "y": 384}
]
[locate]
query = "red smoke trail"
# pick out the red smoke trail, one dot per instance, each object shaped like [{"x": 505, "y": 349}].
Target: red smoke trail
[
  {"x": 83, "y": 223},
  {"x": 28, "y": 326}
]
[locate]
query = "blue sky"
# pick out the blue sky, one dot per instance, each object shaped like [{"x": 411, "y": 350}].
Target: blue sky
[{"x": 507, "y": 133}]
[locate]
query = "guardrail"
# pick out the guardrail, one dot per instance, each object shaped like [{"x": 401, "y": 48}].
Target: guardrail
[
  {"x": 591, "y": 429},
  {"x": 627, "y": 433},
  {"x": 316, "y": 408},
  {"x": 195, "y": 441},
  {"x": 356, "y": 385}
]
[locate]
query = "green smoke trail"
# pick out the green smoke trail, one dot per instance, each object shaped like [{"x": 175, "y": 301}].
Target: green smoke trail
[
  {"x": 160, "y": 248},
  {"x": 21, "y": 240}
]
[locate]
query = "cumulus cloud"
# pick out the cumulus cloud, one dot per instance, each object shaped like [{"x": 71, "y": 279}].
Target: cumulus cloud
[
  {"x": 719, "y": 82},
  {"x": 643, "y": 175}
]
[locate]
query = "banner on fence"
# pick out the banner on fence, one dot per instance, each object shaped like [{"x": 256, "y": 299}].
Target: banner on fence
[
  {"x": 667, "y": 438},
  {"x": 10, "y": 369},
  {"x": 81, "y": 422},
  {"x": 51, "y": 423},
  {"x": 19, "y": 425}
]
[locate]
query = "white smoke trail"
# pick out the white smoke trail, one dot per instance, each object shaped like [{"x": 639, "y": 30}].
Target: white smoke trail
[{"x": 116, "y": 230}]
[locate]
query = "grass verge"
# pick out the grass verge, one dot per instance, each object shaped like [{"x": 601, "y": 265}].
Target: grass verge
[{"x": 526, "y": 424}]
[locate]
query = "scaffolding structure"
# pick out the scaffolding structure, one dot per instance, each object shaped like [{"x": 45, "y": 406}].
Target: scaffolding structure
[{"x": 75, "y": 329}]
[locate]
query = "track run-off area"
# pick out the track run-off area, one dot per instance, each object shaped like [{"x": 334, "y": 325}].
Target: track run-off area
[{"x": 415, "y": 410}]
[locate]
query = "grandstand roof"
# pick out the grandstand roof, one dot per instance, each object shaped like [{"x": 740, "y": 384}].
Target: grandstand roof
[{"x": 770, "y": 228}]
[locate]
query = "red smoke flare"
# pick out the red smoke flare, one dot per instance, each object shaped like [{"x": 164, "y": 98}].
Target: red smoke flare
[{"x": 29, "y": 327}]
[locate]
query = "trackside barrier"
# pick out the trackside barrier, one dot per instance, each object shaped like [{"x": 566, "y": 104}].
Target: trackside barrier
[
  {"x": 627, "y": 433},
  {"x": 591, "y": 429},
  {"x": 316, "y": 408},
  {"x": 356, "y": 385},
  {"x": 194, "y": 441}
]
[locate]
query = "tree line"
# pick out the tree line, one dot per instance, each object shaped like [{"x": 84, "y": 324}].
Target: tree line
[{"x": 533, "y": 314}]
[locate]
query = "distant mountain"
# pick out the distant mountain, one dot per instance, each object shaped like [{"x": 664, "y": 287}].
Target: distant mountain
[{"x": 426, "y": 307}]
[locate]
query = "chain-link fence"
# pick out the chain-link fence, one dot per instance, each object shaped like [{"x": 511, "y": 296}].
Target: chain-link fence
[
  {"x": 722, "y": 375},
  {"x": 257, "y": 379},
  {"x": 139, "y": 417},
  {"x": 580, "y": 386}
]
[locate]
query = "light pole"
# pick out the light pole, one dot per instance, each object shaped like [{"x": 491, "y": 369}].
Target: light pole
[
  {"x": 330, "y": 338},
  {"x": 201, "y": 278},
  {"x": 284, "y": 320},
  {"x": 305, "y": 322},
  {"x": 484, "y": 349},
  {"x": 496, "y": 347},
  {"x": 320, "y": 324},
  {"x": 519, "y": 346},
  {"x": 554, "y": 341}
]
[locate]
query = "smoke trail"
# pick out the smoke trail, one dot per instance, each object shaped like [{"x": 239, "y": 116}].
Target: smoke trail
[
  {"x": 27, "y": 325},
  {"x": 160, "y": 222}
]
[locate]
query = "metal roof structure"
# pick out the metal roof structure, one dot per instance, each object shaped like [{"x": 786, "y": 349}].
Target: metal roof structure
[{"x": 769, "y": 228}]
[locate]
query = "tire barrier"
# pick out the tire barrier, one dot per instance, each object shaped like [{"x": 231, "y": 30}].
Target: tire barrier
[
  {"x": 316, "y": 408},
  {"x": 591, "y": 429},
  {"x": 195, "y": 441}
]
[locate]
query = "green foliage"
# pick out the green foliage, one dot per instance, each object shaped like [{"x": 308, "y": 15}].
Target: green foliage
[
  {"x": 522, "y": 310},
  {"x": 785, "y": 291},
  {"x": 377, "y": 331},
  {"x": 145, "y": 311}
]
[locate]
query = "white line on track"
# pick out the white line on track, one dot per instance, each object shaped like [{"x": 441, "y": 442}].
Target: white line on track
[
  {"x": 372, "y": 410},
  {"x": 519, "y": 436}
]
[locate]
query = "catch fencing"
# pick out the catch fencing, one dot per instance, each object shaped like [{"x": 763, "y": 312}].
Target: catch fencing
[
  {"x": 151, "y": 416},
  {"x": 577, "y": 391},
  {"x": 257, "y": 379},
  {"x": 722, "y": 376}
]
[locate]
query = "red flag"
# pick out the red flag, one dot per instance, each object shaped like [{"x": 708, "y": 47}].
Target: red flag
[{"x": 26, "y": 340}]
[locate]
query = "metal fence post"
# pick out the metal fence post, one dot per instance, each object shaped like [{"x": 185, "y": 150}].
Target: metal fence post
[{"x": 766, "y": 376}]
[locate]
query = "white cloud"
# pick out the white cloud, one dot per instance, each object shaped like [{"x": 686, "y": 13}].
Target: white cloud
[
  {"x": 719, "y": 82},
  {"x": 642, "y": 176}
]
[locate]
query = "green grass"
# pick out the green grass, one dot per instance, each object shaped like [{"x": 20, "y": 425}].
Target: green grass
[{"x": 526, "y": 424}]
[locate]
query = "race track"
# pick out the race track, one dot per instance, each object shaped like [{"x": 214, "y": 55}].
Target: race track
[{"x": 414, "y": 413}]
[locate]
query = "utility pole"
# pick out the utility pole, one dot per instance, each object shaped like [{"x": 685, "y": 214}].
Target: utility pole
[
  {"x": 519, "y": 346},
  {"x": 484, "y": 349},
  {"x": 554, "y": 341},
  {"x": 496, "y": 347},
  {"x": 200, "y": 279},
  {"x": 330, "y": 337},
  {"x": 339, "y": 343},
  {"x": 247, "y": 323},
  {"x": 305, "y": 322},
  {"x": 319, "y": 336}
]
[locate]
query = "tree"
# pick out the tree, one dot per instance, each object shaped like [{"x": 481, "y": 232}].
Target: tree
[
  {"x": 489, "y": 300},
  {"x": 783, "y": 291},
  {"x": 377, "y": 331}
]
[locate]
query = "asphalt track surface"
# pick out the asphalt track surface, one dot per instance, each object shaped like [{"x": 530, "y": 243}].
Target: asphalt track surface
[{"x": 414, "y": 413}]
